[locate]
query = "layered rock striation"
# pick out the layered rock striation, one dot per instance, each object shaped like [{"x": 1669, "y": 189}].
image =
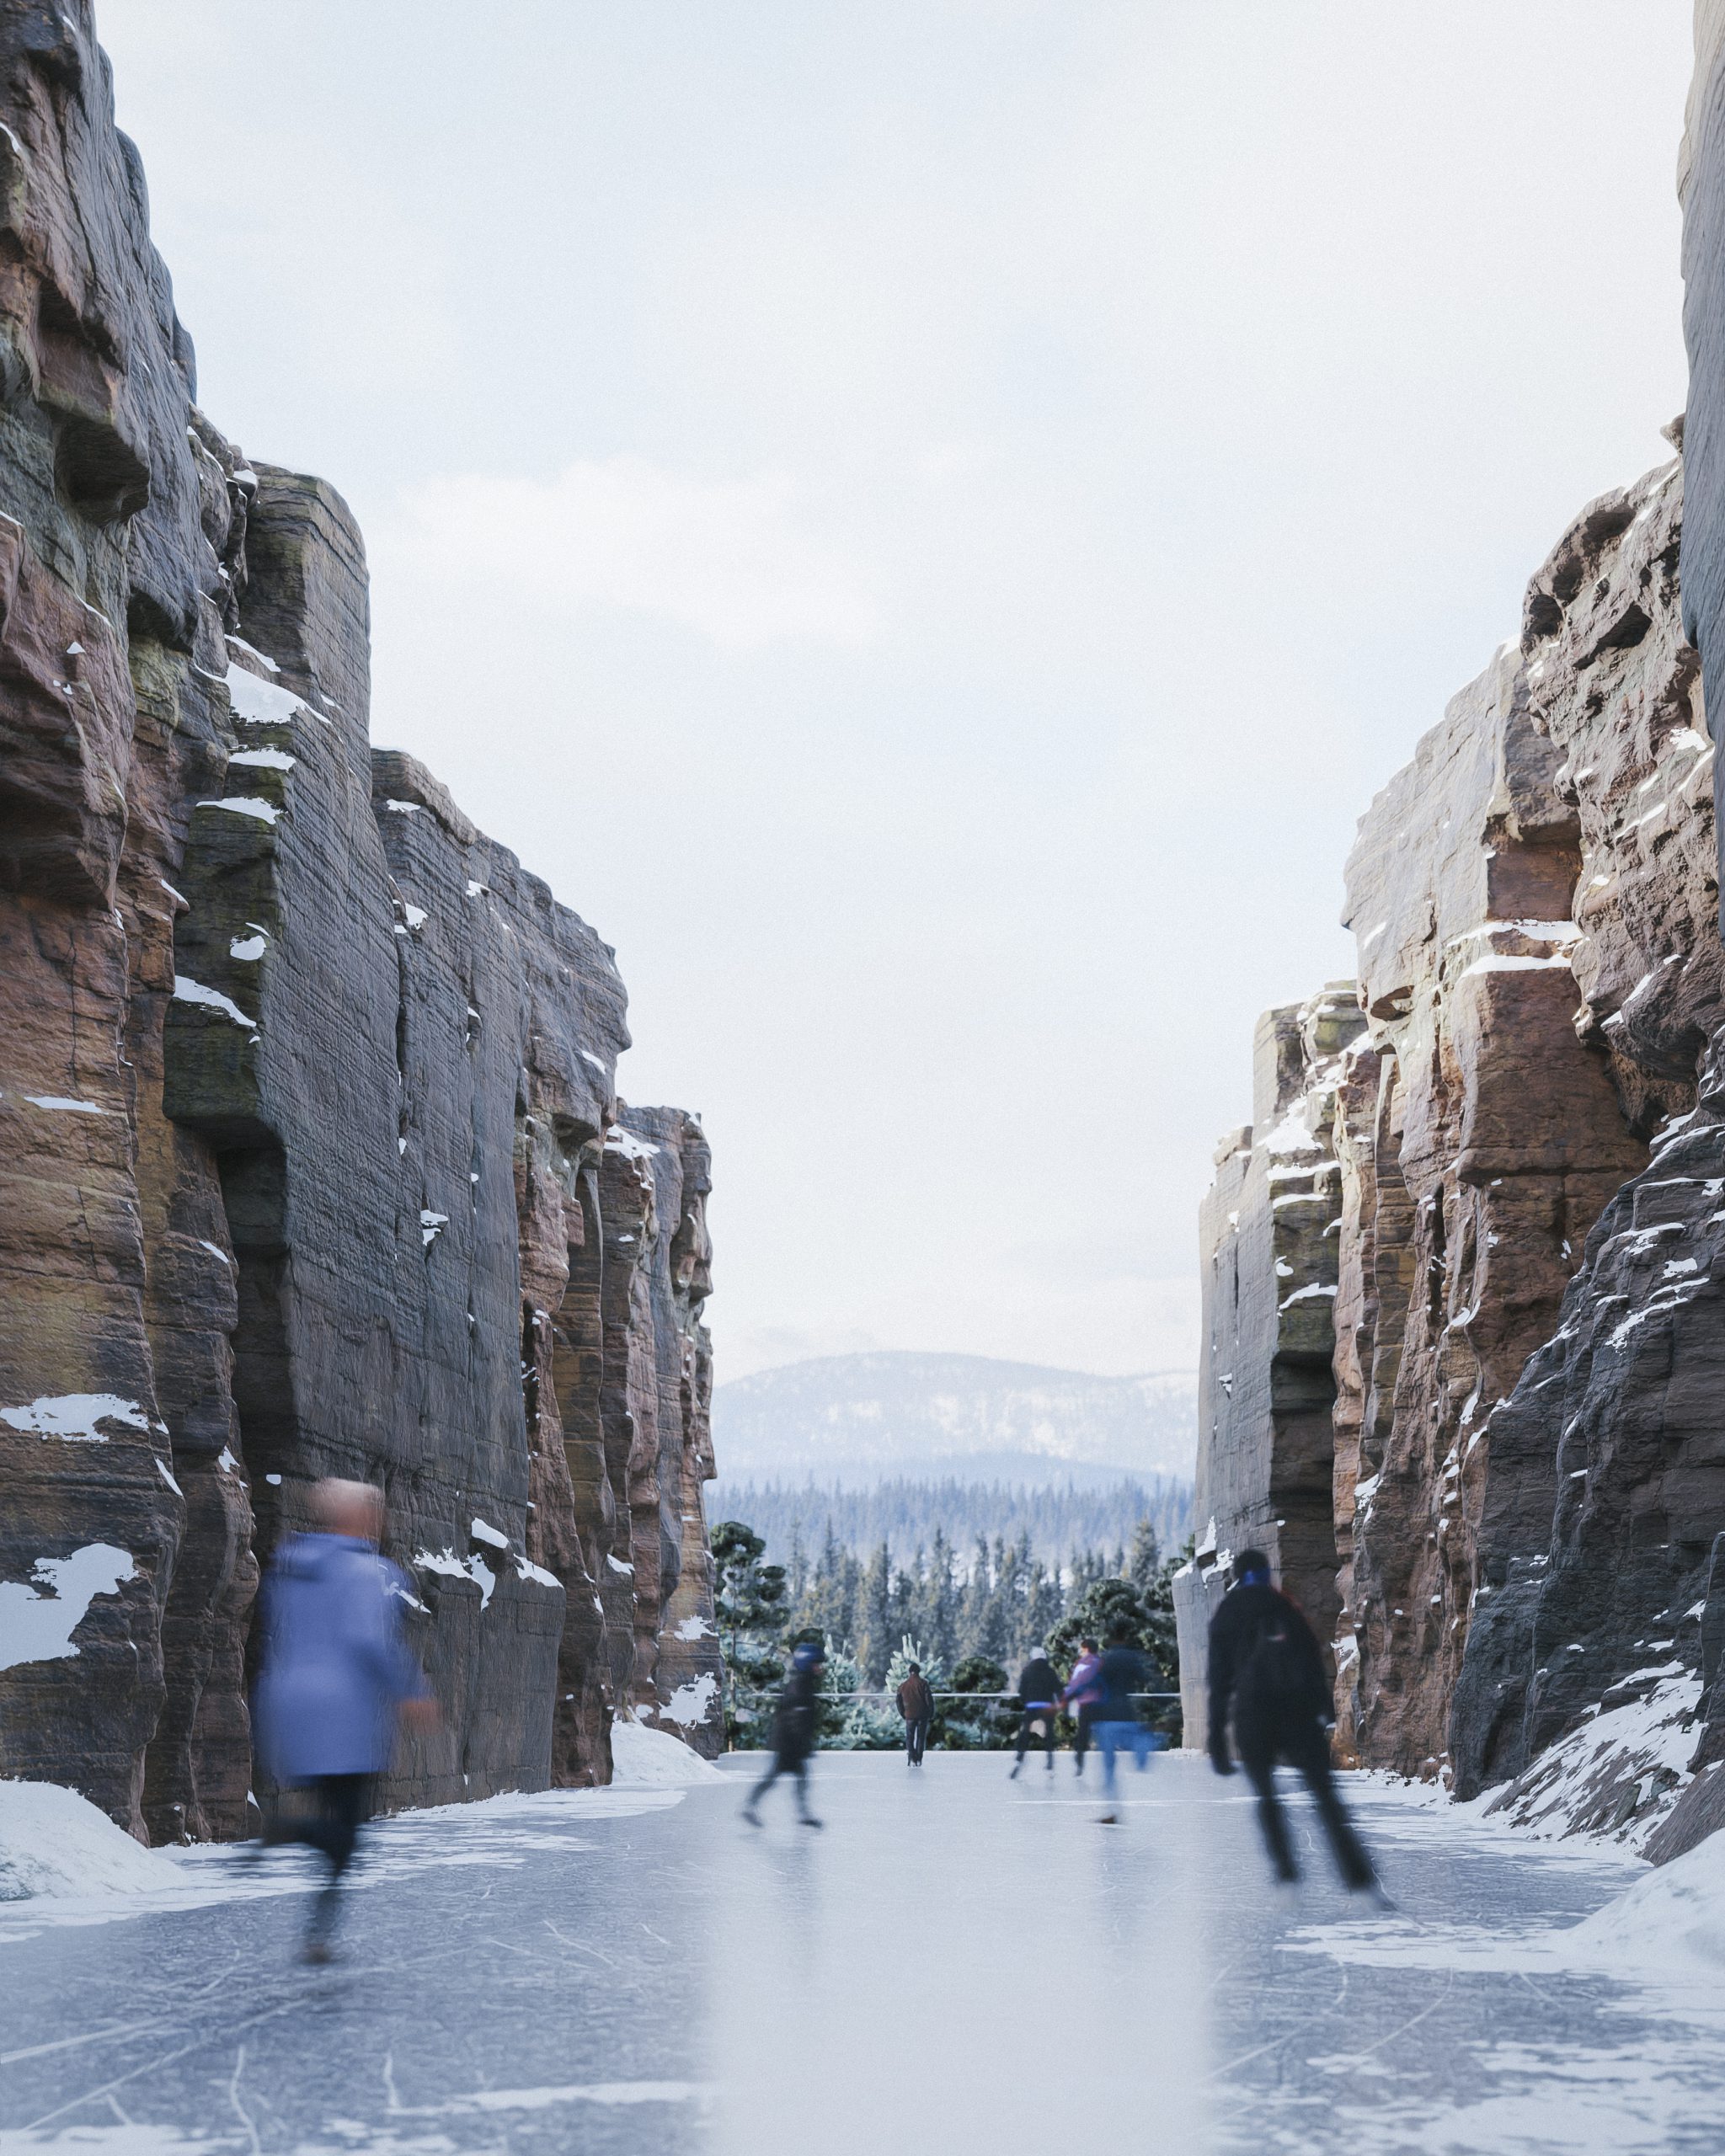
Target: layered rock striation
[{"x": 311, "y": 1156}]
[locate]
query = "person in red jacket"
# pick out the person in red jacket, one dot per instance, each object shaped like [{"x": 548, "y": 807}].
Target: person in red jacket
[
  {"x": 916, "y": 1706},
  {"x": 1265, "y": 1660}
]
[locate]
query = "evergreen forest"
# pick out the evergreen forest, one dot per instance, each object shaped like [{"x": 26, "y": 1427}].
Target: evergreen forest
[
  {"x": 1062, "y": 1520},
  {"x": 971, "y": 1618}
]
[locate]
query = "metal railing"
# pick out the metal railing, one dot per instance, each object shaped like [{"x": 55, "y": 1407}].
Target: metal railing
[{"x": 977, "y": 1695}]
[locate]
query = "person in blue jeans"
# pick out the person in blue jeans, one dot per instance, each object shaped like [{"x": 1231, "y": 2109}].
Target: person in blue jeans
[{"x": 1114, "y": 1723}]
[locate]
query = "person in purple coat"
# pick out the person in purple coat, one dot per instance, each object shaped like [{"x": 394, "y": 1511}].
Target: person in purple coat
[
  {"x": 336, "y": 1675},
  {"x": 1082, "y": 1694}
]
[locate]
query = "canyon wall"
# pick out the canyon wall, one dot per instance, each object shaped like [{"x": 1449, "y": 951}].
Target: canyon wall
[
  {"x": 1526, "y": 1448},
  {"x": 1528, "y": 1425},
  {"x": 311, "y": 1158}
]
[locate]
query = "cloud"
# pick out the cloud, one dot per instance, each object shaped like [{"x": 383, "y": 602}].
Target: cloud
[{"x": 731, "y": 559}]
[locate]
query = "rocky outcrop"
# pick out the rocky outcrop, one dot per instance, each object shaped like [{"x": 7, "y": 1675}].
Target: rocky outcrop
[
  {"x": 678, "y": 1670},
  {"x": 1528, "y": 1164},
  {"x": 1700, "y": 187},
  {"x": 1528, "y": 1472},
  {"x": 310, "y": 1159},
  {"x": 1605, "y": 1510},
  {"x": 1270, "y": 1251},
  {"x": 1489, "y": 899}
]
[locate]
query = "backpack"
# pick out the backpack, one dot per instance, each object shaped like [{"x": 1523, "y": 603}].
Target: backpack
[{"x": 1278, "y": 1671}]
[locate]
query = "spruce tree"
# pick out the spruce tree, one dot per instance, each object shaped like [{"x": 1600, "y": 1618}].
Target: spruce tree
[
  {"x": 1144, "y": 1561},
  {"x": 874, "y": 1628},
  {"x": 750, "y": 1601}
]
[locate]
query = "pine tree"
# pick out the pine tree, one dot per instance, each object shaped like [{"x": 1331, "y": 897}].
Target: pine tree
[
  {"x": 1144, "y": 1559},
  {"x": 750, "y": 1602},
  {"x": 874, "y": 1629},
  {"x": 1044, "y": 1606},
  {"x": 942, "y": 1630},
  {"x": 797, "y": 1563}
]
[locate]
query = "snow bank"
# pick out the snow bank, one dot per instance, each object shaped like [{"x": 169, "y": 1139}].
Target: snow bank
[
  {"x": 55, "y": 1842},
  {"x": 1675, "y": 1915},
  {"x": 653, "y": 1758},
  {"x": 1618, "y": 1775}
]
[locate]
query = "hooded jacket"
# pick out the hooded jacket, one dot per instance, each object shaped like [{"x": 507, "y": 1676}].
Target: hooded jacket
[
  {"x": 1037, "y": 1684},
  {"x": 335, "y": 1665}
]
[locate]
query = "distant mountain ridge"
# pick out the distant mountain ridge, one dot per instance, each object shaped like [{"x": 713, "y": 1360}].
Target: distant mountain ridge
[{"x": 864, "y": 1418}]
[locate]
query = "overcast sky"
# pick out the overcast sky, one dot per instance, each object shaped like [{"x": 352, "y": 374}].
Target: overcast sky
[{"x": 928, "y": 522}]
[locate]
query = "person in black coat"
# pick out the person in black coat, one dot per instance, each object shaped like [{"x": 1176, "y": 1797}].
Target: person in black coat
[
  {"x": 1264, "y": 1660},
  {"x": 1039, "y": 1702},
  {"x": 795, "y": 1724}
]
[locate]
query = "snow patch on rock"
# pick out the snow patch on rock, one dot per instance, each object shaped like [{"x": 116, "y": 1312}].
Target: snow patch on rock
[
  {"x": 37, "y": 1623},
  {"x": 694, "y": 1703},
  {"x": 75, "y": 1415},
  {"x": 1618, "y": 1775}
]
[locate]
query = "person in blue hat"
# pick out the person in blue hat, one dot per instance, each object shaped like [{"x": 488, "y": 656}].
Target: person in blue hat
[
  {"x": 795, "y": 1725},
  {"x": 1265, "y": 1661}
]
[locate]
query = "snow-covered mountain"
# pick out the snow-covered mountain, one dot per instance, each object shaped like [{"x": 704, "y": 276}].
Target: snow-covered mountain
[{"x": 859, "y": 1419}]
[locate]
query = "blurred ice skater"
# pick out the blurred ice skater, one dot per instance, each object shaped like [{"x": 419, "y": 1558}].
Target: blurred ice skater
[
  {"x": 336, "y": 1675},
  {"x": 794, "y": 1724},
  {"x": 1039, "y": 1697},
  {"x": 1115, "y": 1723},
  {"x": 1081, "y": 1695},
  {"x": 916, "y": 1706},
  {"x": 1264, "y": 1658}
]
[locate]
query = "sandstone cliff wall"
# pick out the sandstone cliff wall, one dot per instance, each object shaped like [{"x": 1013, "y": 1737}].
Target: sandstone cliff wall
[
  {"x": 1528, "y": 1432},
  {"x": 310, "y": 1159},
  {"x": 1528, "y": 1472}
]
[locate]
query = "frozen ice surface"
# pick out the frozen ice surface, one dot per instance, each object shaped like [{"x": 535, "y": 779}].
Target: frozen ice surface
[{"x": 956, "y": 1964}]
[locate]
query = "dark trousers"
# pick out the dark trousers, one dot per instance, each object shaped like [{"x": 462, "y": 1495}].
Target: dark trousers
[
  {"x": 326, "y": 1814},
  {"x": 915, "y": 1737},
  {"x": 1305, "y": 1745},
  {"x": 1045, "y": 1715},
  {"x": 1082, "y": 1724},
  {"x": 796, "y": 1767}
]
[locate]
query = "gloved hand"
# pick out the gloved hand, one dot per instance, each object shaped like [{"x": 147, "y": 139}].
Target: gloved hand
[{"x": 1219, "y": 1752}]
